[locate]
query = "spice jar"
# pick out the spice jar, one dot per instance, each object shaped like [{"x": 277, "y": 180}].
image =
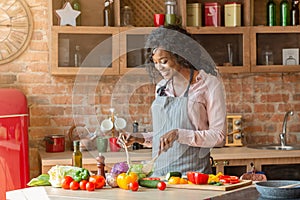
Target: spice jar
[
  {"x": 126, "y": 19},
  {"x": 170, "y": 6}
]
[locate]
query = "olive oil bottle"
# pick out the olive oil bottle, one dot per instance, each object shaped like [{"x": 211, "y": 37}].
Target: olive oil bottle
[{"x": 77, "y": 155}]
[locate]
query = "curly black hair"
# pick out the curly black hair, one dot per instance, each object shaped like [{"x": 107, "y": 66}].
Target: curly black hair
[{"x": 179, "y": 43}]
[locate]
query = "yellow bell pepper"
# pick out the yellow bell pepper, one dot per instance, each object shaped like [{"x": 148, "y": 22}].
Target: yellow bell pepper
[{"x": 124, "y": 179}]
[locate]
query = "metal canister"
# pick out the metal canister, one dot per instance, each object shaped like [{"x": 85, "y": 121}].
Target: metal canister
[
  {"x": 212, "y": 14},
  {"x": 232, "y": 12},
  {"x": 194, "y": 14}
]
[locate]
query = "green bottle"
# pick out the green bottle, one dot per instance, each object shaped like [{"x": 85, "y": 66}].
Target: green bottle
[
  {"x": 77, "y": 155},
  {"x": 284, "y": 13},
  {"x": 76, "y": 6},
  {"x": 271, "y": 13}
]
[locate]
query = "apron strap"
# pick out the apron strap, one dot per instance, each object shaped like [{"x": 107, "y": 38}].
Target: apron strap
[
  {"x": 186, "y": 93},
  {"x": 161, "y": 91}
]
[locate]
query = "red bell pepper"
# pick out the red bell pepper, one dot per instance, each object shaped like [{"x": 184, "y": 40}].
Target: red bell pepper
[{"x": 197, "y": 177}]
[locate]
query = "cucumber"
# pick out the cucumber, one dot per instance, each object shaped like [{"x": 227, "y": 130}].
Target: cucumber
[
  {"x": 175, "y": 174},
  {"x": 148, "y": 183}
]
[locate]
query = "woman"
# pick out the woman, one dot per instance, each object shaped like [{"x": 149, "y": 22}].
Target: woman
[{"x": 189, "y": 112}]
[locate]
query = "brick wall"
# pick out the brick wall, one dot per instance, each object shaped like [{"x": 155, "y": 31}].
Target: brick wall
[{"x": 56, "y": 102}]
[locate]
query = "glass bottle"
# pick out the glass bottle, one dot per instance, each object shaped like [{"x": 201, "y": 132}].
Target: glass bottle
[
  {"x": 77, "y": 56},
  {"x": 76, "y": 6},
  {"x": 107, "y": 13},
  {"x": 284, "y": 13},
  {"x": 271, "y": 13},
  {"x": 170, "y": 6},
  {"x": 126, "y": 14},
  {"x": 295, "y": 13},
  {"x": 77, "y": 155}
]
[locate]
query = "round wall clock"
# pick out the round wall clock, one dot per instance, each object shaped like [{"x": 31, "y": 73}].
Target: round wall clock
[{"x": 16, "y": 27}]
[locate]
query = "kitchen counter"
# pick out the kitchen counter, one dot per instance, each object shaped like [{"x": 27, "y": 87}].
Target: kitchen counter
[
  {"x": 222, "y": 156},
  {"x": 120, "y": 194}
]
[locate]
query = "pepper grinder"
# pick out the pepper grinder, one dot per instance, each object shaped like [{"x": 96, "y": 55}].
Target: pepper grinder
[{"x": 101, "y": 164}]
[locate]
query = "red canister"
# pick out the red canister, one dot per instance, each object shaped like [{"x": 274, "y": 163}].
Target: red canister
[
  {"x": 212, "y": 14},
  {"x": 55, "y": 143}
]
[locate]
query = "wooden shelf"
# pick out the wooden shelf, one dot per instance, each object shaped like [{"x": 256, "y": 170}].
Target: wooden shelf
[{"x": 126, "y": 53}]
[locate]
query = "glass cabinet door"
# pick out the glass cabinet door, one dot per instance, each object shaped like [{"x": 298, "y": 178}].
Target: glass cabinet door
[{"x": 87, "y": 53}]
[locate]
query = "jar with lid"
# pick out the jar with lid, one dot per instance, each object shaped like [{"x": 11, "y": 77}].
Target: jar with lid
[
  {"x": 126, "y": 16},
  {"x": 170, "y": 6}
]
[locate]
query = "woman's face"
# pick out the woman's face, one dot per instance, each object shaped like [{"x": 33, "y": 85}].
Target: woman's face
[{"x": 165, "y": 63}]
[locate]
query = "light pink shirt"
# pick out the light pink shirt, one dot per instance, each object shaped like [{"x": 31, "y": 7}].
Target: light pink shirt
[{"x": 206, "y": 110}]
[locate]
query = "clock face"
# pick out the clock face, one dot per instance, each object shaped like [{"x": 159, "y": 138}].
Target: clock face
[{"x": 15, "y": 29}]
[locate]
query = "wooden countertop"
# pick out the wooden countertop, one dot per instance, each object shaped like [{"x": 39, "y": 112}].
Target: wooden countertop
[
  {"x": 52, "y": 193},
  {"x": 225, "y": 153}
]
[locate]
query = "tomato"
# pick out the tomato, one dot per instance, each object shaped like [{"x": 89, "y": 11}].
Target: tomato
[
  {"x": 90, "y": 186},
  {"x": 161, "y": 185},
  {"x": 123, "y": 180},
  {"x": 197, "y": 177},
  {"x": 74, "y": 185},
  {"x": 134, "y": 186},
  {"x": 65, "y": 184},
  {"x": 98, "y": 180},
  {"x": 82, "y": 184}
]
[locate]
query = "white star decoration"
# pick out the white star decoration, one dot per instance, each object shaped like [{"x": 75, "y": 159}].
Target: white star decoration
[{"x": 67, "y": 15}]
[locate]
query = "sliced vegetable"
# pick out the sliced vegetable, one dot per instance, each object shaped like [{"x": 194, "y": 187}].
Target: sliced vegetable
[{"x": 173, "y": 174}]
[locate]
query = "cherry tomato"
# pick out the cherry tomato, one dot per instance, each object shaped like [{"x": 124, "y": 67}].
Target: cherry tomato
[
  {"x": 74, "y": 185},
  {"x": 65, "y": 184},
  {"x": 90, "y": 186},
  {"x": 82, "y": 184},
  {"x": 161, "y": 185},
  {"x": 134, "y": 186},
  {"x": 98, "y": 180}
]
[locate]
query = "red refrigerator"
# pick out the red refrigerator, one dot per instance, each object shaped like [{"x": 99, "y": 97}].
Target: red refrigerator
[{"x": 14, "y": 119}]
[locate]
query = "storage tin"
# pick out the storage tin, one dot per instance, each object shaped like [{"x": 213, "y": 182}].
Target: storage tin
[
  {"x": 232, "y": 12},
  {"x": 212, "y": 14},
  {"x": 194, "y": 14}
]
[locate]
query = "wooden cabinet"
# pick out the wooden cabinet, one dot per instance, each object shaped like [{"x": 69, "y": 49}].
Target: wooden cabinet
[{"x": 123, "y": 50}]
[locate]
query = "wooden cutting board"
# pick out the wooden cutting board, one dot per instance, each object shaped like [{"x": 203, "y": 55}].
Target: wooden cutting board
[{"x": 225, "y": 187}]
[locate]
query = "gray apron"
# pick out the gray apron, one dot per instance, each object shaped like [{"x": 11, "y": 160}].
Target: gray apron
[{"x": 170, "y": 113}]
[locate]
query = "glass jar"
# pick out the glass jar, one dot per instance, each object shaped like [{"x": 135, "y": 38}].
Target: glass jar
[
  {"x": 126, "y": 19},
  {"x": 170, "y": 6}
]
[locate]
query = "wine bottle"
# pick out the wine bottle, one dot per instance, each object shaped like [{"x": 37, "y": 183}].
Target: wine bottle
[
  {"x": 271, "y": 13},
  {"x": 284, "y": 13},
  {"x": 295, "y": 13}
]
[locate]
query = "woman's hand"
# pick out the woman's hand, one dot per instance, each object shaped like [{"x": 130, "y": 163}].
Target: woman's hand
[
  {"x": 167, "y": 140},
  {"x": 131, "y": 138}
]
